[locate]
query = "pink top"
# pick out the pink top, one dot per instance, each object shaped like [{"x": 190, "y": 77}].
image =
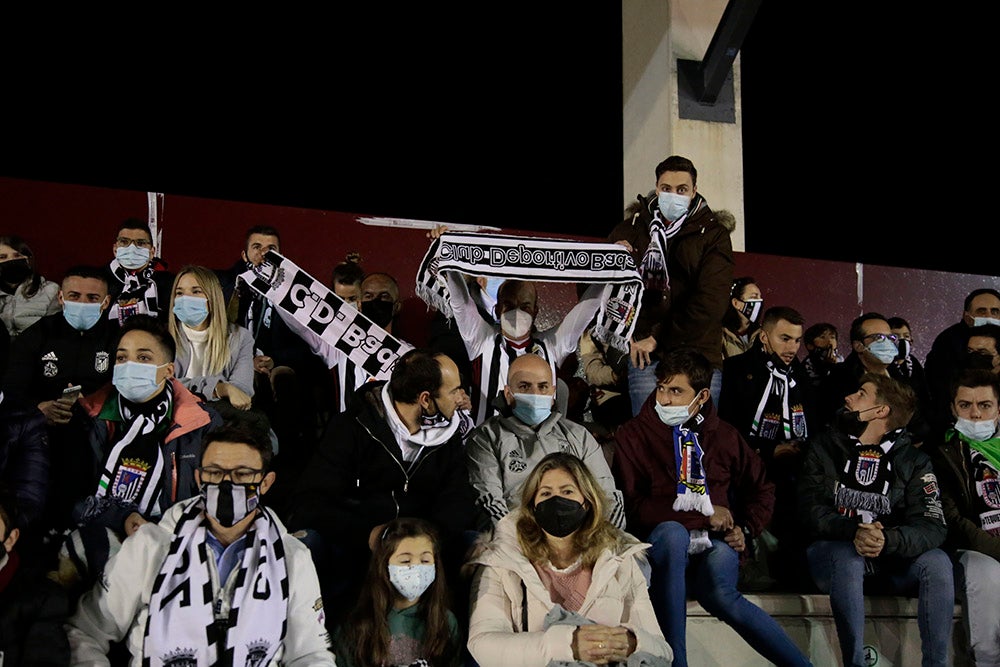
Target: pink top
[{"x": 566, "y": 587}]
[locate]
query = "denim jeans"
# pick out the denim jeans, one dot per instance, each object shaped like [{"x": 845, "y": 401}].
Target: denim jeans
[
  {"x": 641, "y": 383},
  {"x": 710, "y": 578},
  {"x": 838, "y": 570},
  {"x": 978, "y": 581}
]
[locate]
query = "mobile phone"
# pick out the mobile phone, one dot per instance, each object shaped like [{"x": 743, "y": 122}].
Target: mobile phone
[{"x": 71, "y": 391}]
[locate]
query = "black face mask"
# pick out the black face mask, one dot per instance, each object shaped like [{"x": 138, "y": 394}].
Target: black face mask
[
  {"x": 819, "y": 355},
  {"x": 904, "y": 349},
  {"x": 560, "y": 516},
  {"x": 849, "y": 422},
  {"x": 15, "y": 271},
  {"x": 977, "y": 361},
  {"x": 378, "y": 311}
]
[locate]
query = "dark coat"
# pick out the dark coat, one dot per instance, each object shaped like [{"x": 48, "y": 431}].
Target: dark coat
[
  {"x": 32, "y": 612},
  {"x": 24, "y": 459},
  {"x": 700, "y": 268},
  {"x": 357, "y": 479},
  {"x": 646, "y": 471}
]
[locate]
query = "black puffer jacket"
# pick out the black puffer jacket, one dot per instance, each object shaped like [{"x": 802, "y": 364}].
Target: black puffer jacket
[{"x": 24, "y": 458}]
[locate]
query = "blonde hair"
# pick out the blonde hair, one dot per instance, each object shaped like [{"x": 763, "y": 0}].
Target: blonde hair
[
  {"x": 217, "y": 346},
  {"x": 595, "y": 534}
]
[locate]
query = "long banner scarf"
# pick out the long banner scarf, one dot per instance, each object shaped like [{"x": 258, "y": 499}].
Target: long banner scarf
[
  {"x": 692, "y": 482},
  {"x": 654, "y": 262},
  {"x": 325, "y": 320},
  {"x": 776, "y": 418},
  {"x": 538, "y": 259},
  {"x": 182, "y": 628},
  {"x": 983, "y": 460},
  {"x": 139, "y": 294}
]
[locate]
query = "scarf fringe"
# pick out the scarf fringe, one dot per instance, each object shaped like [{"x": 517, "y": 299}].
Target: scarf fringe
[
  {"x": 694, "y": 502},
  {"x": 867, "y": 501},
  {"x": 699, "y": 542}
]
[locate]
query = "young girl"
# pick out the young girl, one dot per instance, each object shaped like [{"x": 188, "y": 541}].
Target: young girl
[{"x": 403, "y": 615}]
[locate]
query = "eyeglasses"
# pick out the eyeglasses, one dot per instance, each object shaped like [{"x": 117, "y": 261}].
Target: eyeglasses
[
  {"x": 139, "y": 243},
  {"x": 875, "y": 337},
  {"x": 214, "y": 475}
]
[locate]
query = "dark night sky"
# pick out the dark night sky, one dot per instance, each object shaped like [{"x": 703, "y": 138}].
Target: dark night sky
[{"x": 857, "y": 129}]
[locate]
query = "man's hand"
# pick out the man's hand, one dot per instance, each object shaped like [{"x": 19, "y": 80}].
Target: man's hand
[
  {"x": 58, "y": 411},
  {"x": 437, "y": 232},
  {"x": 639, "y": 351},
  {"x": 789, "y": 449},
  {"x": 734, "y": 538},
  {"x": 263, "y": 363},
  {"x": 626, "y": 244},
  {"x": 132, "y": 523},
  {"x": 869, "y": 539},
  {"x": 721, "y": 520}
]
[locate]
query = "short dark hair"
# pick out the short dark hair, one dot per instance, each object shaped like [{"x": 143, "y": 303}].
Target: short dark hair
[
  {"x": 686, "y": 361},
  {"x": 787, "y": 313},
  {"x": 817, "y": 330},
  {"x": 677, "y": 163},
  {"x": 899, "y": 396},
  {"x": 135, "y": 223},
  {"x": 739, "y": 284},
  {"x": 263, "y": 230},
  {"x": 240, "y": 430},
  {"x": 87, "y": 271},
  {"x": 348, "y": 272},
  {"x": 857, "y": 333},
  {"x": 974, "y": 377},
  {"x": 416, "y": 371},
  {"x": 153, "y": 327},
  {"x": 976, "y": 292},
  {"x": 898, "y": 323}
]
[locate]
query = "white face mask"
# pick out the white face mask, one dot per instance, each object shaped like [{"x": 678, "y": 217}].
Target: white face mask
[
  {"x": 516, "y": 324},
  {"x": 412, "y": 580},
  {"x": 674, "y": 415},
  {"x": 976, "y": 430},
  {"x": 672, "y": 205},
  {"x": 980, "y": 321}
]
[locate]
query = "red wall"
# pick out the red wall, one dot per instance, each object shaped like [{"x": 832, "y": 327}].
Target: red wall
[{"x": 67, "y": 224}]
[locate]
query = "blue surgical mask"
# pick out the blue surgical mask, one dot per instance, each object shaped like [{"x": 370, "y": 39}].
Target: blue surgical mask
[
  {"x": 672, "y": 205},
  {"x": 81, "y": 316},
  {"x": 980, "y": 321},
  {"x": 674, "y": 415},
  {"x": 977, "y": 431},
  {"x": 132, "y": 257},
  {"x": 191, "y": 310},
  {"x": 412, "y": 580},
  {"x": 884, "y": 350},
  {"x": 532, "y": 409},
  {"x": 135, "y": 381}
]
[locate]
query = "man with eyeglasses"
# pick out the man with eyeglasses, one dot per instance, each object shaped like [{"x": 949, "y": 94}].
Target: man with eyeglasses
[
  {"x": 873, "y": 350},
  {"x": 138, "y": 281},
  {"x": 217, "y": 581}
]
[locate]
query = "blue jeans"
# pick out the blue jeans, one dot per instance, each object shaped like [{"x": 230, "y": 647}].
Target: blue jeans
[
  {"x": 710, "y": 578},
  {"x": 838, "y": 570},
  {"x": 641, "y": 383}
]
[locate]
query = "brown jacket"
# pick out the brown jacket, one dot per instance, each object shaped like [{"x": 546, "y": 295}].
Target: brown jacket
[{"x": 700, "y": 267}]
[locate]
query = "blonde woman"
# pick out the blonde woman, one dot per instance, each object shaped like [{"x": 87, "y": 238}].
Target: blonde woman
[
  {"x": 214, "y": 357},
  {"x": 558, "y": 581}
]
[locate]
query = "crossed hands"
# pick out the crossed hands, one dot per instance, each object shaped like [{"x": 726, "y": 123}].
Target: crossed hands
[
  {"x": 869, "y": 539},
  {"x": 601, "y": 644}
]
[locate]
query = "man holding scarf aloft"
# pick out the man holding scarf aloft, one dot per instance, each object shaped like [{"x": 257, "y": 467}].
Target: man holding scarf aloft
[
  {"x": 967, "y": 462},
  {"x": 218, "y": 581},
  {"x": 696, "y": 491},
  {"x": 870, "y": 503}
]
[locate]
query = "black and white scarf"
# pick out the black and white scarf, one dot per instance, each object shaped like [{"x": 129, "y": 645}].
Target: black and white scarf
[
  {"x": 182, "y": 627},
  {"x": 538, "y": 259},
  {"x": 865, "y": 480},
  {"x": 654, "y": 261},
  {"x": 139, "y": 294},
  {"x": 134, "y": 463},
  {"x": 316, "y": 313},
  {"x": 777, "y": 417}
]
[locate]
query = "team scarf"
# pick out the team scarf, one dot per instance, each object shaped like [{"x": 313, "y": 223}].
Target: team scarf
[
  {"x": 654, "y": 261},
  {"x": 538, "y": 259},
  {"x": 182, "y": 628},
  {"x": 138, "y": 295},
  {"x": 327, "y": 322},
  {"x": 134, "y": 464},
  {"x": 692, "y": 482},
  {"x": 776, "y": 418},
  {"x": 865, "y": 480}
]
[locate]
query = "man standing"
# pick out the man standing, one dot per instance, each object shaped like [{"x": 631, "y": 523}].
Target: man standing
[
  {"x": 503, "y": 451},
  {"x": 217, "y": 581},
  {"x": 139, "y": 282},
  {"x": 686, "y": 260},
  {"x": 767, "y": 396},
  {"x": 967, "y": 462},
  {"x": 696, "y": 492},
  {"x": 870, "y": 504}
]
